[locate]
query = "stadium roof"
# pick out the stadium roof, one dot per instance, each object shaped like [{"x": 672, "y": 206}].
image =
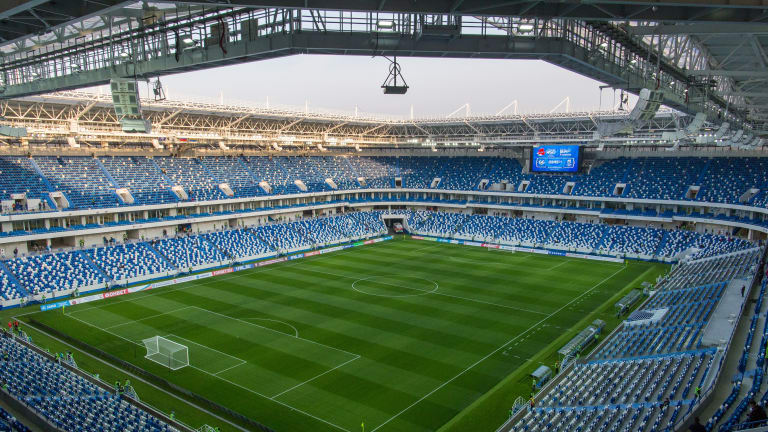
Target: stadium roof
[
  {"x": 713, "y": 53},
  {"x": 91, "y": 120}
]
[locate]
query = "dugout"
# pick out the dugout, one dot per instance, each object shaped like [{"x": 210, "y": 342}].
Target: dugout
[
  {"x": 541, "y": 375},
  {"x": 623, "y": 305},
  {"x": 579, "y": 342},
  {"x": 599, "y": 325}
]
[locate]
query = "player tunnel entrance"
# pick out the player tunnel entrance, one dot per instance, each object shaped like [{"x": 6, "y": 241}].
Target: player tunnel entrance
[{"x": 396, "y": 224}]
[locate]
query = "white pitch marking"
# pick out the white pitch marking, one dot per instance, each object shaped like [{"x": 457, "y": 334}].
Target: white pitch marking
[
  {"x": 558, "y": 265},
  {"x": 146, "y": 318},
  {"x": 231, "y": 367},
  {"x": 226, "y": 380},
  {"x": 277, "y": 331},
  {"x": 436, "y": 292},
  {"x": 212, "y": 349},
  {"x": 494, "y": 352},
  {"x": 295, "y": 330},
  {"x": 313, "y": 378}
]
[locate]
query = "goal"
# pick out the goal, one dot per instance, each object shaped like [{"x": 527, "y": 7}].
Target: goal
[
  {"x": 167, "y": 352},
  {"x": 501, "y": 249}
]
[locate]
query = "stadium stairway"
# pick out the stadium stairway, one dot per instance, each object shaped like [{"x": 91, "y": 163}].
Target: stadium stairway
[
  {"x": 704, "y": 172},
  {"x": 742, "y": 379},
  {"x": 261, "y": 239},
  {"x": 207, "y": 170},
  {"x": 161, "y": 255},
  {"x": 354, "y": 172},
  {"x": 601, "y": 243},
  {"x": 48, "y": 185},
  {"x": 296, "y": 228},
  {"x": 748, "y": 382},
  {"x": 164, "y": 176},
  {"x": 625, "y": 176},
  {"x": 662, "y": 243},
  {"x": 106, "y": 173},
  {"x": 244, "y": 165},
  {"x": 42, "y": 176},
  {"x": 16, "y": 284},
  {"x": 87, "y": 258},
  {"x": 735, "y": 406}
]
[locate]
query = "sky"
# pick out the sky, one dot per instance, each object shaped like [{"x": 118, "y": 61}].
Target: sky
[{"x": 438, "y": 87}]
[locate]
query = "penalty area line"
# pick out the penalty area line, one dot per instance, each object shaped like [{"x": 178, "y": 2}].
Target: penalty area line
[{"x": 313, "y": 378}]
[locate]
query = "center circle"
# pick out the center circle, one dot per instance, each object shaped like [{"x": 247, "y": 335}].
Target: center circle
[{"x": 394, "y": 286}]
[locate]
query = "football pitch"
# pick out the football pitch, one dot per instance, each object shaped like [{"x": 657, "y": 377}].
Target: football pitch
[{"x": 401, "y": 335}]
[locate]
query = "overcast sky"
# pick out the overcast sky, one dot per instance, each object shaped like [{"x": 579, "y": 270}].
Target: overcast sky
[{"x": 437, "y": 86}]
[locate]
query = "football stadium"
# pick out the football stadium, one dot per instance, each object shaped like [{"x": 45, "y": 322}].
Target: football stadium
[{"x": 170, "y": 263}]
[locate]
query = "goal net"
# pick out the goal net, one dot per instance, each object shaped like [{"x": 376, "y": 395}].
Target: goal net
[
  {"x": 167, "y": 352},
  {"x": 495, "y": 248}
]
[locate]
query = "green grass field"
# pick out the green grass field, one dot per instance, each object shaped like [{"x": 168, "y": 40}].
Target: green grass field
[{"x": 402, "y": 335}]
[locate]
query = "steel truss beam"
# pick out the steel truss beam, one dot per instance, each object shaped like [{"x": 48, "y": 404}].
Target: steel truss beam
[
  {"x": 613, "y": 10},
  {"x": 598, "y": 50},
  {"x": 96, "y": 124}
]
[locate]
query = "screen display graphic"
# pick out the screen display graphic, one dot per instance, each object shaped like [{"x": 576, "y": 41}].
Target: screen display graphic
[{"x": 555, "y": 158}]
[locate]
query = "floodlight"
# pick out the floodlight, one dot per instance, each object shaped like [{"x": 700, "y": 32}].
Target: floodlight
[
  {"x": 525, "y": 28},
  {"x": 124, "y": 54},
  {"x": 188, "y": 40},
  {"x": 385, "y": 24}
]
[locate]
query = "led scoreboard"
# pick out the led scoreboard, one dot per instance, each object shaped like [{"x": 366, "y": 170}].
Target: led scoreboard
[{"x": 556, "y": 158}]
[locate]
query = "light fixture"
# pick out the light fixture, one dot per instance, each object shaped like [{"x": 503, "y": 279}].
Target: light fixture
[
  {"x": 188, "y": 40},
  {"x": 385, "y": 24},
  {"x": 525, "y": 28},
  {"x": 124, "y": 54}
]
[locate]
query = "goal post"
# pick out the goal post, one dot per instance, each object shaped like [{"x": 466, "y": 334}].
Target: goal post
[{"x": 166, "y": 352}]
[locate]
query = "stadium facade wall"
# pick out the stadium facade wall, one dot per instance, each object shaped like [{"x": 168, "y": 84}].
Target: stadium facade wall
[
  {"x": 328, "y": 207},
  {"x": 408, "y": 192}
]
